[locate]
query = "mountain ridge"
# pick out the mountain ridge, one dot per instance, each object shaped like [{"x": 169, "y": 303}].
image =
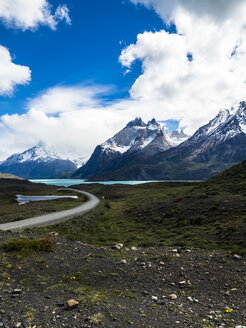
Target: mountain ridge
[
  {"x": 213, "y": 148},
  {"x": 136, "y": 138}
]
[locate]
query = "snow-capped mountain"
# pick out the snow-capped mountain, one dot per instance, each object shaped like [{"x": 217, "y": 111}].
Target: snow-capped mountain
[
  {"x": 223, "y": 139},
  {"x": 37, "y": 162},
  {"x": 214, "y": 147},
  {"x": 39, "y": 153},
  {"x": 136, "y": 137}
]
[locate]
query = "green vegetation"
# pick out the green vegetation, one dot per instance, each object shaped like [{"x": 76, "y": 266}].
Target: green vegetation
[
  {"x": 209, "y": 214},
  {"x": 232, "y": 181},
  {"x": 89, "y": 296},
  {"x": 24, "y": 245},
  {"x": 11, "y": 211},
  {"x": 162, "y": 214}
]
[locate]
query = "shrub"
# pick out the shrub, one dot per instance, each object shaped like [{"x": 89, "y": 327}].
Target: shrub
[
  {"x": 107, "y": 205},
  {"x": 23, "y": 245}
]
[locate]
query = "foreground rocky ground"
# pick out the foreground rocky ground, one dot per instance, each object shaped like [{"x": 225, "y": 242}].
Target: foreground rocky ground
[{"x": 120, "y": 287}]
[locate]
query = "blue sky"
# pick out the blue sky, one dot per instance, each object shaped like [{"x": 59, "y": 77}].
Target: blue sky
[
  {"x": 86, "y": 51},
  {"x": 74, "y": 72}
]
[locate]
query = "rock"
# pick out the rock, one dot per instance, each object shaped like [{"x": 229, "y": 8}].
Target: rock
[
  {"x": 48, "y": 296},
  {"x": 43, "y": 283},
  {"x": 71, "y": 304},
  {"x": 133, "y": 248},
  {"x": 162, "y": 263},
  {"x": 190, "y": 299},
  {"x": 154, "y": 298},
  {"x": 123, "y": 261},
  {"x": 16, "y": 291},
  {"x": 118, "y": 246},
  {"x": 182, "y": 283},
  {"x": 237, "y": 257},
  {"x": 240, "y": 326},
  {"x": 18, "y": 325},
  {"x": 60, "y": 303},
  {"x": 173, "y": 297}
]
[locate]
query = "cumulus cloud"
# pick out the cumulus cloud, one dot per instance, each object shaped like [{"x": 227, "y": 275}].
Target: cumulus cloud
[
  {"x": 67, "y": 99},
  {"x": 187, "y": 76},
  {"x": 29, "y": 14},
  {"x": 72, "y": 119},
  {"x": 10, "y": 73},
  {"x": 198, "y": 70},
  {"x": 218, "y": 10}
]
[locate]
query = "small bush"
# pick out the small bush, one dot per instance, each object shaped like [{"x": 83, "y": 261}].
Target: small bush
[
  {"x": 107, "y": 205},
  {"x": 24, "y": 245}
]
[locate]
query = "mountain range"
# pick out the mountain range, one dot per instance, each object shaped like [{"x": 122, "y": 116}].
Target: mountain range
[
  {"x": 146, "y": 151},
  {"x": 214, "y": 147},
  {"x": 137, "y": 141}
]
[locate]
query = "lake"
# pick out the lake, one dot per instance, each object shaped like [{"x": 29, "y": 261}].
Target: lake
[
  {"x": 72, "y": 182},
  {"x": 26, "y": 199}
]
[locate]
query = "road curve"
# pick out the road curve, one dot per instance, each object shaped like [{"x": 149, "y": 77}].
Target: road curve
[{"x": 53, "y": 218}]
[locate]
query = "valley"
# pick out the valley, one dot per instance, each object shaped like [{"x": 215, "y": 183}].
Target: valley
[{"x": 152, "y": 255}]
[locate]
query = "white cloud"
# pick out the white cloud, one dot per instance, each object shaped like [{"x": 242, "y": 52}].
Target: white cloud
[
  {"x": 191, "y": 91},
  {"x": 72, "y": 119},
  {"x": 10, "y": 73},
  {"x": 67, "y": 99},
  {"x": 29, "y": 14},
  {"x": 219, "y": 10},
  {"x": 76, "y": 118},
  {"x": 62, "y": 13}
]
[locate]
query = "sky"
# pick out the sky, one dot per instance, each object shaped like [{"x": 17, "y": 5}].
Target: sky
[{"x": 74, "y": 72}]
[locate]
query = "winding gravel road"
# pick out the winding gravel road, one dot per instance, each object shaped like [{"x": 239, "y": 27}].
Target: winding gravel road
[{"x": 53, "y": 218}]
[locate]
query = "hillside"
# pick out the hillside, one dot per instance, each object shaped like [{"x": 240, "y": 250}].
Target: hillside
[
  {"x": 9, "y": 176},
  {"x": 182, "y": 261},
  {"x": 232, "y": 180}
]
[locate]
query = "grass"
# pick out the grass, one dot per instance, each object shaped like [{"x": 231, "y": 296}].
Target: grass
[
  {"x": 161, "y": 214},
  {"x": 96, "y": 318},
  {"x": 24, "y": 245},
  {"x": 11, "y": 211},
  {"x": 90, "y": 297}
]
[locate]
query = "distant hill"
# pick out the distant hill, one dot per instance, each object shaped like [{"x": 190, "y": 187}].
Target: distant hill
[
  {"x": 232, "y": 180},
  {"x": 9, "y": 176}
]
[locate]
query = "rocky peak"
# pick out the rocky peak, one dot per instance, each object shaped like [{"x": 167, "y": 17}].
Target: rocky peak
[
  {"x": 137, "y": 122},
  {"x": 178, "y": 134}
]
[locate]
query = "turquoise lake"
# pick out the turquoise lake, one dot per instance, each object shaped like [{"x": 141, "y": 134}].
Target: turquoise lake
[{"x": 72, "y": 182}]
